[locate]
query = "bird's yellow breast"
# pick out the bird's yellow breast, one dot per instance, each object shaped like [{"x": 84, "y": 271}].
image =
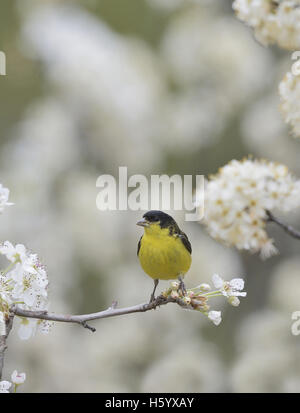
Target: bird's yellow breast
[{"x": 163, "y": 256}]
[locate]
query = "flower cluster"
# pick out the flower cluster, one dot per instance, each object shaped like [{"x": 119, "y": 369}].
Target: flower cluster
[
  {"x": 289, "y": 90},
  {"x": 236, "y": 201},
  {"x": 4, "y": 195},
  {"x": 197, "y": 298},
  {"x": 16, "y": 378},
  {"x": 23, "y": 282},
  {"x": 273, "y": 21}
]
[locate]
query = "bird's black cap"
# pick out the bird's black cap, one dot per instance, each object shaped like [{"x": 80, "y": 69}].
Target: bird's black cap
[{"x": 164, "y": 219}]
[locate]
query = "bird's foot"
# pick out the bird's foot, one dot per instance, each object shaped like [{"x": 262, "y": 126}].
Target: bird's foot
[
  {"x": 182, "y": 286},
  {"x": 152, "y": 298}
]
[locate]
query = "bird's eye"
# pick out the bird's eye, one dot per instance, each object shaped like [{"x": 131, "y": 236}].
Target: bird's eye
[{"x": 153, "y": 218}]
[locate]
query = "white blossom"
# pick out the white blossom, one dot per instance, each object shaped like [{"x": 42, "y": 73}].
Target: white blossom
[
  {"x": 289, "y": 91},
  {"x": 27, "y": 328},
  {"x": 4, "y": 386},
  {"x": 4, "y": 195},
  {"x": 13, "y": 253},
  {"x": 273, "y": 21},
  {"x": 230, "y": 289},
  {"x": 215, "y": 317},
  {"x": 24, "y": 282},
  {"x": 18, "y": 378},
  {"x": 236, "y": 201},
  {"x": 30, "y": 286},
  {"x": 5, "y": 289}
]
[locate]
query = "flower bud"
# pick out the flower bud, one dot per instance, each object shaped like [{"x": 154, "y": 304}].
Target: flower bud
[
  {"x": 175, "y": 285},
  {"x": 174, "y": 294},
  {"x": 204, "y": 287},
  {"x": 234, "y": 301},
  {"x": 18, "y": 378},
  {"x": 187, "y": 300}
]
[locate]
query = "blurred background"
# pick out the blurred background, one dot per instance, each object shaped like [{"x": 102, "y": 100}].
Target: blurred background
[{"x": 159, "y": 86}]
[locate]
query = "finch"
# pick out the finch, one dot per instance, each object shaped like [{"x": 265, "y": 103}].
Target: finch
[{"x": 164, "y": 250}]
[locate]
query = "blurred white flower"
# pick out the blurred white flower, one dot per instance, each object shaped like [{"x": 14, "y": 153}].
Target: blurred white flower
[
  {"x": 272, "y": 21},
  {"x": 166, "y": 5},
  {"x": 264, "y": 343},
  {"x": 4, "y": 195},
  {"x": 291, "y": 384},
  {"x": 222, "y": 63},
  {"x": 89, "y": 226},
  {"x": 189, "y": 119},
  {"x": 171, "y": 5},
  {"x": 215, "y": 317},
  {"x": 4, "y": 386},
  {"x": 237, "y": 198},
  {"x": 284, "y": 292},
  {"x": 289, "y": 90},
  {"x": 111, "y": 83},
  {"x": 18, "y": 378},
  {"x": 44, "y": 140},
  {"x": 274, "y": 364},
  {"x": 189, "y": 367},
  {"x": 266, "y": 134},
  {"x": 263, "y": 329}
]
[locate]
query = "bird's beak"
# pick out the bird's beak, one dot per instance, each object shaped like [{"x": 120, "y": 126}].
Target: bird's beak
[{"x": 143, "y": 223}]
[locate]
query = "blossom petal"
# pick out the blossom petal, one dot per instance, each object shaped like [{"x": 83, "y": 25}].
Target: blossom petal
[
  {"x": 217, "y": 281},
  {"x": 215, "y": 317},
  {"x": 237, "y": 284}
]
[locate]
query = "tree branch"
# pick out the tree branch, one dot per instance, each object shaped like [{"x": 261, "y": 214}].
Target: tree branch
[
  {"x": 3, "y": 339},
  {"x": 110, "y": 312},
  {"x": 287, "y": 228}
]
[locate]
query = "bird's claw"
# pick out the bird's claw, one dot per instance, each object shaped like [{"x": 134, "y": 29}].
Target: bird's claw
[{"x": 182, "y": 286}]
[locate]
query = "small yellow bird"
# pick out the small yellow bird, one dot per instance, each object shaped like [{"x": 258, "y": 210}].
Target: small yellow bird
[{"x": 164, "y": 250}]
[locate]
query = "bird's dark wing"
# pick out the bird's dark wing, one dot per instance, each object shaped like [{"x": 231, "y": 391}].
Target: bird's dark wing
[
  {"x": 185, "y": 241},
  {"x": 176, "y": 231},
  {"x": 139, "y": 245}
]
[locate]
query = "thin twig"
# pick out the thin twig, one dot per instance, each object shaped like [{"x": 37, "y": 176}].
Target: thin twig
[
  {"x": 110, "y": 312},
  {"x": 287, "y": 228},
  {"x": 82, "y": 320}
]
